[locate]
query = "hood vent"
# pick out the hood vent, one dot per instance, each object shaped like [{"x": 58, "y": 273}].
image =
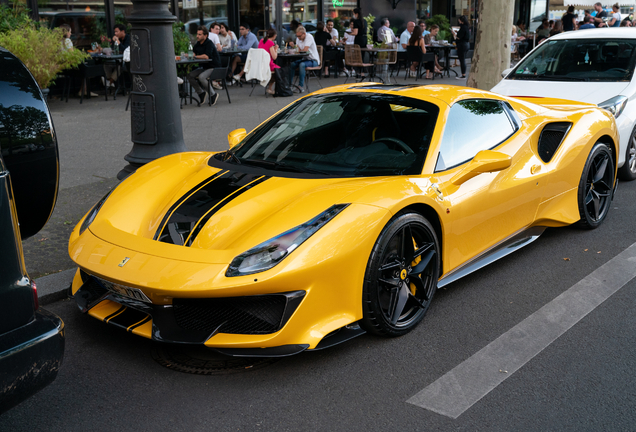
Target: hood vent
[{"x": 551, "y": 138}]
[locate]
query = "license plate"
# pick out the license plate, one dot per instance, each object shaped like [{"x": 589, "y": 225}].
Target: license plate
[{"x": 133, "y": 293}]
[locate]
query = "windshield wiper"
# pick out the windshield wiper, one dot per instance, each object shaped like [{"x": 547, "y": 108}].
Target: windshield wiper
[
  {"x": 234, "y": 157},
  {"x": 560, "y": 77},
  {"x": 283, "y": 166}
]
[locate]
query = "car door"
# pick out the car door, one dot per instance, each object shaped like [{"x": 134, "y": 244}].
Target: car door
[{"x": 490, "y": 206}]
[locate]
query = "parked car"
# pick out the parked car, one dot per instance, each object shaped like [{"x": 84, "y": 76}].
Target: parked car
[
  {"x": 31, "y": 338},
  {"x": 288, "y": 242},
  {"x": 595, "y": 66},
  {"x": 191, "y": 26}
]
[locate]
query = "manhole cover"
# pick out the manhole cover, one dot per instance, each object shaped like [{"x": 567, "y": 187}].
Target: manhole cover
[{"x": 200, "y": 360}]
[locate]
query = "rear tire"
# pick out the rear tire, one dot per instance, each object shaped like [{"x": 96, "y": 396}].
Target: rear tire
[
  {"x": 628, "y": 171},
  {"x": 596, "y": 187},
  {"x": 401, "y": 276}
]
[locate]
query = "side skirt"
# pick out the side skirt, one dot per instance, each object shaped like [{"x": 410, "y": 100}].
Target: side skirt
[{"x": 500, "y": 250}]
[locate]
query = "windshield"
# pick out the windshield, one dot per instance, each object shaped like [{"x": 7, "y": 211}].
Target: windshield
[
  {"x": 579, "y": 60},
  {"x": 343, "y": 135}
]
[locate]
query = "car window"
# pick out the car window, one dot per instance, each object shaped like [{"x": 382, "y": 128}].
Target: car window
[
  {"x": 579, "y": 60},
  {"x": 472, "y": 126},
  {"x": 344, "y": 135}
]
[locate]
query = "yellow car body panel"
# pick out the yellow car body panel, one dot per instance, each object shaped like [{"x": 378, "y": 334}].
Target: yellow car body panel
[{"x": 472, "y": 214}]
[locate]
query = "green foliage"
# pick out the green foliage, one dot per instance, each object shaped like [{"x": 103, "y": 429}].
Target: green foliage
[
  {"x": 370, "y": 19},
  {"x": 441, "y": 21},
  {"x": 14, "y": 17},
  {"x": 41, "y": 51},
  {"x": 443, "y": 35},
  {"x": 180, "y": 37}
]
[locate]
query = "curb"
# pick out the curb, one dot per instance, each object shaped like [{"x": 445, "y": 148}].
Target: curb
[{"x": 53, "y": 287}]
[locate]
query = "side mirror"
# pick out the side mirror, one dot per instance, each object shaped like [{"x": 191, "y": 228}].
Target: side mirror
[
  {"x": 506, "y": 72},
  {"x": 236, "y": 136},
  {"x": 484, "y": 162}
]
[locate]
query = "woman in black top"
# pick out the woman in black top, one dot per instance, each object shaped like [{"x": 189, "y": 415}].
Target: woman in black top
[
  {"x": 569, "y": 20},
  {"x": 462, "y": 39},
  {"x": 321, "y": 37},
  {"x": 360, "y": 25}
]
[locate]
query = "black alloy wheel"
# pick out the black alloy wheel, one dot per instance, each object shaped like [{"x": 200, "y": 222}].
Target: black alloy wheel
[
  {"x": 628, "y": 171},
  {"x": 595, "y": 187},
  {"x": 401, "y": 276}
]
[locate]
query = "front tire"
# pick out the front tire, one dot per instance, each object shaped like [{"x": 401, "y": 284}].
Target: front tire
[
  {"x": 595, "y": 187},
  {"x": 401, "y": 276},
  {"x": 628, "y": 171}
]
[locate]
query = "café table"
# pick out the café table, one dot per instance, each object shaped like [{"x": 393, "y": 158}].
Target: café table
[
  {"x": 89, "y": 71},
  {"x": 384, "y": 70},
  {"x": 446, "y": 48},
  {"x": 182, "y": 72}
]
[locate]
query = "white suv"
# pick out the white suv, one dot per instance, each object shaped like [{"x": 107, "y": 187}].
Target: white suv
[{"x": 595, "y": 66}]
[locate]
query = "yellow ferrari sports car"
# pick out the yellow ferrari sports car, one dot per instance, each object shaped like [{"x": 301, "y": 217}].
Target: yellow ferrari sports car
[{"x": 342, "y": 213}]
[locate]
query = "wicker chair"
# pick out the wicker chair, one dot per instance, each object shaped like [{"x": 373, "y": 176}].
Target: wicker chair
[
  {"x": 353, "y": 59},
  {"x": 314, "y": 70},
  {"x": 387, "y": 59}
]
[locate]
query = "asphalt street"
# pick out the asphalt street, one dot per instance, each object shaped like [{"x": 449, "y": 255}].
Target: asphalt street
[{"x": 582, "y": 380}]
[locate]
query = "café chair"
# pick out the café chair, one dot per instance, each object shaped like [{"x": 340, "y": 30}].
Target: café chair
[
  {"x": 220, "y": 74},
  {"x": 90, "y": 69},
  {"x": 387, "y": 59},
  {"x": 314, "y": 70},
  {"x": 353, "y": 59}
]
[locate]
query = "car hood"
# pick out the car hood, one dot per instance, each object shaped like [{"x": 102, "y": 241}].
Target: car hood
[
  {"x": 179, "y": 203},
  {"x": 591, "y": 92}
]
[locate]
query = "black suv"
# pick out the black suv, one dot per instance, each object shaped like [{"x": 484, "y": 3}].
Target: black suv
[{"x": 31, "y": 339}]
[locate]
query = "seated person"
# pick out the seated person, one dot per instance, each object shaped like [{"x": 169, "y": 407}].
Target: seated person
[
  {"x": 268, "y": 43},
  {"x": 306, "y": 43},
  {"x": 226, "y": 37},
  {"x": 121, "y": 40},
  {"x": 67, "y": 44},
  {"x": 416, "y": 40},
  {"x": 204, "y": 49},
  {"x": 245, "y": 42},
  {"x": 213, "y": 35}
]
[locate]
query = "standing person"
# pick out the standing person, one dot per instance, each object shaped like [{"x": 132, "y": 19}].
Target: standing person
[
  {"x": 245, "y": 42},
  {"x": 600, "y": 14},
  {"x": 204, "y": 49},
  {"x": 569, "y": 20},
  {"x": 406, "y": 35},
  {"x": 226, "y": 37},
  {"x": 462, "y": 38},
  {"x": 615, "y": 20},
  {"x": 333, "y": 32},
  {"x": 306, "y": 43},
  {"x": 322, "y": 38},
  {"x": 268, "y": 43},
  {"x": 359, "y": 30},
  {"x": 385, "y": 34},
  {"x": 121, "y": 40}
]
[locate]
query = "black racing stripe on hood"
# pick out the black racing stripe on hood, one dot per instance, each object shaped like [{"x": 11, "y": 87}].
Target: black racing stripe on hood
[
  {"x": 199, "y": 206},
  {"x": 180, "y": 201},
  {"x": 204, "y": 220}
]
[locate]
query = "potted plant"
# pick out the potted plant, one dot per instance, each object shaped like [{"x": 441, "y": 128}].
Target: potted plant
[
  {"x": 370, "y": 19},
  {"x": 39, "y": 48}
]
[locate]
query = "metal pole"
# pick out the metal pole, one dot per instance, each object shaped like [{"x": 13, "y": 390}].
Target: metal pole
[
  {"x": 109, "y": 8},
  {"x": 155, "y": 115}
]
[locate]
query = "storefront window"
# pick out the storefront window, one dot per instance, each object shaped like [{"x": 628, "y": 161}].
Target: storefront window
[
  {"x": 303, "y": 11},
  {"x": 537, "y": 13},
  {"x": 213, "y": 10},
  {"x": 252, "y": 12},
  {"x": 424, "y": 9}
]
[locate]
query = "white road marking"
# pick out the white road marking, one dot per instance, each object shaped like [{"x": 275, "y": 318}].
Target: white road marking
[{"x": 463, "y": 386}]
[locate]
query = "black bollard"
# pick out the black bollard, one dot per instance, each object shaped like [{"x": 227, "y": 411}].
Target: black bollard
[{"x": 155, "y": 114}]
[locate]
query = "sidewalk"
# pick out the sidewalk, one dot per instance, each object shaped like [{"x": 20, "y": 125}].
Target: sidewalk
[{"x": 93, "y": 139}]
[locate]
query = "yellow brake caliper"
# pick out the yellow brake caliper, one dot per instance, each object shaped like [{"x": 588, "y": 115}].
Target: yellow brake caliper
[{"x": 415, "y": 262}]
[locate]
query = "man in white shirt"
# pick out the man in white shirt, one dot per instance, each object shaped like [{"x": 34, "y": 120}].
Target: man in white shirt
[
  {"x": 215, "y": 28},
  {"x": 305, "y": 43},
  {"x": 406, "y": 35},
  {"x": 333, "y": 32},
  {"x": 385, "y": 34}
]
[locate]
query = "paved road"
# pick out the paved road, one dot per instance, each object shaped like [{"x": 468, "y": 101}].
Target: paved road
[{"x": 583, "y": 381}]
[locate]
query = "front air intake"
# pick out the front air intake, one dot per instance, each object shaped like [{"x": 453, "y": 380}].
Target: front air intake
[{"x": 551, "y": 138}]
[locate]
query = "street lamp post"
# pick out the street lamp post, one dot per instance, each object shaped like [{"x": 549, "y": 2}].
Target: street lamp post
[{"x": 155, "y": 114}]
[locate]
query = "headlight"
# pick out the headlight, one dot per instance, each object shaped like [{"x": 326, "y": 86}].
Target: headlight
[
  {"x": 90, "y": 217},
  {"x": 615, "y": 105},
  {"x": 268, "y": 254}
]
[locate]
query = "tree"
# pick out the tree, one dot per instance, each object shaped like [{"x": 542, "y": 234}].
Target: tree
[{"x": 492, "y": 43}]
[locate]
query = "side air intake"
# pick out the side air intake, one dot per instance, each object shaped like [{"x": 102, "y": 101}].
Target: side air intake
[{"x": 551, "y": 138}]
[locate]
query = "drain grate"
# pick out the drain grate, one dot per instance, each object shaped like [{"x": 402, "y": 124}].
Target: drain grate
[{"x": 199, "y": 360}]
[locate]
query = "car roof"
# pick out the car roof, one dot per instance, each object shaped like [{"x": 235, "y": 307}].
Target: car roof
[{"x": 609, "y": 33}]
